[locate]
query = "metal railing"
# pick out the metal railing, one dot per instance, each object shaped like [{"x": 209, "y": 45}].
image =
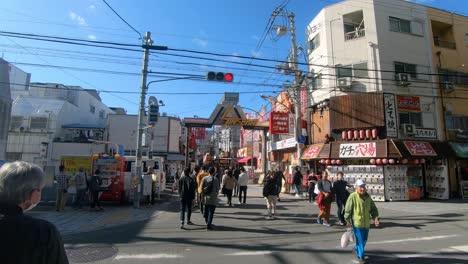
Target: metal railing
[
  {"x": 444, "y": 44},
  {"x": 355, "y": 34}
]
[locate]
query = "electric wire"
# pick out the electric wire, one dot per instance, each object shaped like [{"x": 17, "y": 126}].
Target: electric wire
[{"x": 121, "y": 18}]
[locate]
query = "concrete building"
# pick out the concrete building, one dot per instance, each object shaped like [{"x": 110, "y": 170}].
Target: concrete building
[{"x": 11, "y": 78}]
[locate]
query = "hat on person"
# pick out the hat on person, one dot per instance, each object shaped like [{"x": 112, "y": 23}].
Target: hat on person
[{"x": 359, "y": 183}]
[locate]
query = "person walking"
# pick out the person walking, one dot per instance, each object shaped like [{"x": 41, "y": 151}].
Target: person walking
[
  {"x": 94, "y": 189},
  {"x": 270, "y": 192},
  {"x": 359, "y": 210},
  {"x": 187, "y": 188},
  {"x": 279, "y": 182},
  {"x": 210, "y": 189},
  {"x": 341, "y": 195},
  {"x": 200, "y": 176},
  {"x": 311, "y": 182},
  {"x": 62, "y": 189},
  {"x": 227, "y": 185},
  {"x": 324, "y": 199},
  {"x": 81, "y": 186},
  {"x": 242, "y": 183},
  {"x": 297, "y": 180},
  {"x": 26, "y": 240},
  {"x": 236, "y": 173}
]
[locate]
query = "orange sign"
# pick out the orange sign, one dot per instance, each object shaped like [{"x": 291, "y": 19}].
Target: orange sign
[{"x": 312, "y": 152}]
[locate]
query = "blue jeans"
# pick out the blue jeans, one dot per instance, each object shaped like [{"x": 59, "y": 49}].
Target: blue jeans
[
  {"x": 209, "y": 213},
  {"x": 185, "y": 205},
  {"x": 242, "y": 190},
  {"x": 79, "y": 197},
  {"x": 361, "y": 235},
  {"x": 341, "y": 204},
  {"x": 297, "y": 188}
]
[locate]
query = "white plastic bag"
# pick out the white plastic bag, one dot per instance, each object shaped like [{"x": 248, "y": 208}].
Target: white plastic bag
[
  {"x": 347, "y": 238},
  {"x": 316, "y": 189}
]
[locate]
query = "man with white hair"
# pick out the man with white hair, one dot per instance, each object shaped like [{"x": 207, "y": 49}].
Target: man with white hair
[
  {"x": 359, "y": 210},
  {"x": 23, "y": 238}
]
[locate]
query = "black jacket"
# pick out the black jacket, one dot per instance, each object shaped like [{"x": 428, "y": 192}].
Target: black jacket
[
  {"x": 270, "y": 187},
  {"x": 187, "y": 188},
  {"x": 339, "y": 188},
  {"x": 28, "y": 240},
  {"x": 297, "y": 179}
]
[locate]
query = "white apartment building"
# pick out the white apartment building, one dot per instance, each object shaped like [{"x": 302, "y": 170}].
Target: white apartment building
[
  {"x": 377, "y": 46},
  {"x": 11, "y": 78}
]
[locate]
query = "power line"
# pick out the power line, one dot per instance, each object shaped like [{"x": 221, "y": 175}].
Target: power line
[{"x": 115, "y": 12}]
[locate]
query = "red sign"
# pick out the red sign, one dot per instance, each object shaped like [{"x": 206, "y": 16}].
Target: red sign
[
  {"x": 312, "y": 152},
  {"x": 409, "y": 103},
  {"x": 279, "y": 123},
  {"x": 419, "y": 148}
]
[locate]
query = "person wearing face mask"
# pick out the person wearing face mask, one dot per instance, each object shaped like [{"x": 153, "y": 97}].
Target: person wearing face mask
[{"x": 25, "y": 239}]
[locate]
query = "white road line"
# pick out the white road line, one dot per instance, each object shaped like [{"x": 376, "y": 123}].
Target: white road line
[
  {"x": 461, "y": 248},
  {"x": 250, "y": 253},
  {"x": 412, "y": 239},
  {"x": 148, "y": 256}
]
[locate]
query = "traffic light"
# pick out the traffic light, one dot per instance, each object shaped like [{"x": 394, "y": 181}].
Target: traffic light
[
  {"x": 220, "y": 76},
  {"x": 153, "y": 113}
]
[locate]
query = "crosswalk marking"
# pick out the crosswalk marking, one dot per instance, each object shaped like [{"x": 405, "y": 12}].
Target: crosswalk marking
[
  {"x": 250, "y": 253},
  {"x": 148, "y": 256},
  {"x": 413, "y": 239}
]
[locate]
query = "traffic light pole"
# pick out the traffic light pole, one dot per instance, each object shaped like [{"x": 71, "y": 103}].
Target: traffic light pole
[
  {"x": 296, "y": 87},
  {"x": 141, "y": 115}
]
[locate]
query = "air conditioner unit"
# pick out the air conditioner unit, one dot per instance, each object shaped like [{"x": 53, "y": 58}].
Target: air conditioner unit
[
  {"x": 448, "y": 87},
  {"x": 409, "y": 129},
  {"x": 402, "y": 79},
  {"x": 345, "y": 82}
]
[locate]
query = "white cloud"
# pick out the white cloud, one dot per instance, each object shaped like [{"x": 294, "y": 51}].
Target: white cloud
[
  {"x": 255, "y": 37},
  {"x": 255, "y": 54},
  {"x": 200, "y": 42},
  {"x": 77, "y": 18},
  {"x": 92, "y": 37},
  {"x": 92, "y": 8},
  {"x": 235, "y": 58}
]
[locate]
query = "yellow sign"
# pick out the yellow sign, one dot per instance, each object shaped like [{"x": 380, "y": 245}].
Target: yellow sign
[
  {"x": 235, "y": 121},
  {"x": 73, "y": 163}
]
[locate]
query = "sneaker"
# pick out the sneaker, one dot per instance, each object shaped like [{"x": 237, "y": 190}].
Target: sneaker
[
  {"x": 189, "y": 223},
  {"x": 319, "y": 221},
  {"x": 326, "y": 224},
  {"x": 209, "y": 227},
  {"x": 342, "y": 223},
  {"x": 298, "y": 196},
  {"x": 182, "y": 225},
  {"x": 268, "y": 218}
]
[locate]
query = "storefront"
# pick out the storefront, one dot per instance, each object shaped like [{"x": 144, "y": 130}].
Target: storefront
[{"x": 460, "y": 167}]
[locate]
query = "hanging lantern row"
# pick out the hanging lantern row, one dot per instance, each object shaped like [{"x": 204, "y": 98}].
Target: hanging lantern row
[
  {"x": 360, "y": 134},
  {"x": 330, "y": 162}
]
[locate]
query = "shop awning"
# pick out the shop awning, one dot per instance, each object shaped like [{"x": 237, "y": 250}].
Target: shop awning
[
  {"x": 460, "y": 149},
  {"x": 313, "y": 151},
  {"x": 244, "y": 160},
  {"x": 420, "y": 148}
]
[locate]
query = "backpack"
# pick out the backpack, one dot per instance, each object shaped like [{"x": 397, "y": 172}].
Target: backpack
[
  {"x": 208, "y": 187},
  {"x": 269, "y": 188}
]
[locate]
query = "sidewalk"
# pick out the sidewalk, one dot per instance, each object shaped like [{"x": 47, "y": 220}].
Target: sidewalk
[{"x": 73, "y": 221}]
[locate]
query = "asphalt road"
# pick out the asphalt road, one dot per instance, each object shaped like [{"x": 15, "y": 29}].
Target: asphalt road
[{"x": 411, "y": 232}]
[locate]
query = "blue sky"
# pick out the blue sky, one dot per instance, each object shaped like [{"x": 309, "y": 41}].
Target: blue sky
[{"x": 228, "y": 27}]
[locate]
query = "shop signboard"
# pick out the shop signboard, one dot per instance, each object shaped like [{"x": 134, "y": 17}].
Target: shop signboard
[
  {"x": 358, "y": 150},
  {"x": 279, "y": 123},
  {"x": 73, "y": 163},
  {"x": 284, "y": 144},
  {"x": 409, "y": 103},
  {"x": 419, "y": 148},
  {"x": 312, "y": 152},
  {"x": 390, "y": 115},
  {"x": 425, "y": 133}
]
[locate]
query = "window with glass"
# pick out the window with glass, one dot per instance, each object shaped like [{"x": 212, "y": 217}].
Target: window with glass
[
  {"x": 317, "y": 82},
  {"x": 314, "y": 43},
  {"x": 410, "y": 118},
  {"x": 38, "y": 122},
  {"x": 92, "y": 109},
  {"x": 400, "y": 25},
  {"x": 357, "y": 70},
  {"x": 407, "y": 68}
]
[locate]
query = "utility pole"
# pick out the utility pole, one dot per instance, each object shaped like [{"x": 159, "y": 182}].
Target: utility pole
[{"x": 296, "y": 87}]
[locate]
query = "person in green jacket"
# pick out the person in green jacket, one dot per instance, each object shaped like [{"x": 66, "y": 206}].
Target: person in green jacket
[{"x": 359, "y": 211}]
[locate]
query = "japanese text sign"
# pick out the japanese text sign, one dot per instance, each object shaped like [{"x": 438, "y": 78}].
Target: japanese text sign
[
  {"x": 419, "y": 148},
  {"x": 279, "y": 123},
  {"x": 358, "y": 150},
  {"x": 409, "y": 103},
  {"x": 390, "y": 115},
  {"x": 312, "y": 152}
]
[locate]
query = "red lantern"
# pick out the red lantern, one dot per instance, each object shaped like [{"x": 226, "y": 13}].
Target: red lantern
[
  {"x": 339, "y": 162},
  {"x": 404, "y": 161},
  {"x": 378, "y": 161},
  {"x": 344, "y": 135},
  {"x": 362, "y": 134},
  {"x": 391, "y": 161},
  {"x": 416, "y": 162},
  {"x": 327, "y": 162},
  {"x": 375, "y": 133},
  {"x": 321, "y": 161},
  {"x": 438, "y": 162},
  {"x": 372, "y": 161},
  {"x": 422, "y": 161},
  {"x": 333, "y": 162},
  {"x": 356, "y": 134},
  {"x": 368, "y": 134},
  {"x": 384, "y": 161},
  {"x": 350, "y": 135}
]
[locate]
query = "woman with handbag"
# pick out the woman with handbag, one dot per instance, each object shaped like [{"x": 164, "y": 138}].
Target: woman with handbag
[
  {"x": 228, "y": 184},
  {"x": 324, "y": 199}
]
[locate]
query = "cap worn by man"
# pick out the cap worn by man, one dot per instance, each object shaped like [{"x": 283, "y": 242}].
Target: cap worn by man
[{"x": 360, "y": 182}]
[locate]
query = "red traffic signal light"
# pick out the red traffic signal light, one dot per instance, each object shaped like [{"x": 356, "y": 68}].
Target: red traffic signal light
[{"x": 220, "y": 76}]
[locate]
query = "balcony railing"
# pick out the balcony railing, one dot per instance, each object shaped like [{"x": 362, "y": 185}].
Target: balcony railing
[
  {"x": 355, "y": 34},
  {"x": 444, "y": 44}
]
